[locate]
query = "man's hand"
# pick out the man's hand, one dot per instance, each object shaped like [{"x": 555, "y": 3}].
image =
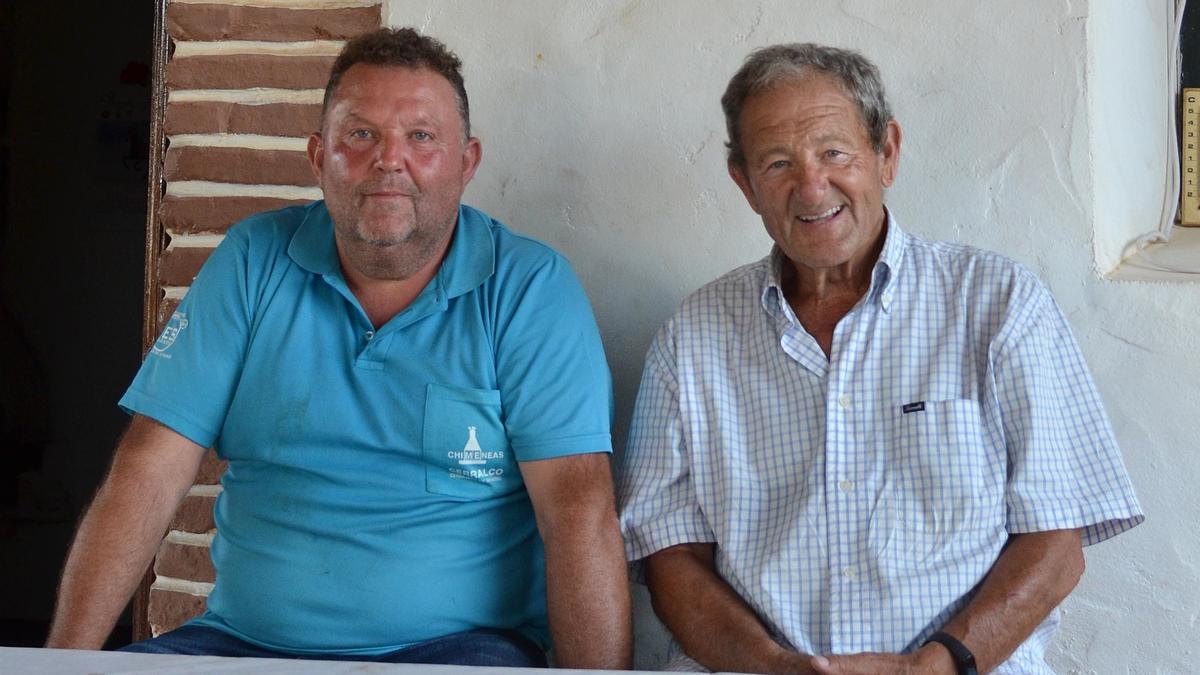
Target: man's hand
[
  {"x": 928, "y": 660},
  {"x": 587, "y": 587},
  {"x": 792, "y": 663}
]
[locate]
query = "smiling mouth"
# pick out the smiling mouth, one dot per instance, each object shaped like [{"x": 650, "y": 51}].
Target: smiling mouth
[{"x": 826, "y": 215}]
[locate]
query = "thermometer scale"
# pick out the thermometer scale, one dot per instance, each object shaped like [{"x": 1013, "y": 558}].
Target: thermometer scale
[{"x": 1189, "y": 208}]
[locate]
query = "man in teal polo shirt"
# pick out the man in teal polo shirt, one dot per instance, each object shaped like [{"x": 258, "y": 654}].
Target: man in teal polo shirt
[{"x": 407, "y": 393}]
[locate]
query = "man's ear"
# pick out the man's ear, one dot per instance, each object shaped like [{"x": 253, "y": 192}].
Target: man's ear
[
  {"x": 890, "y": 153},
  {"x": 316, "y": 153},
  {"x": 738, "y": 174},
  {"x": 472, "y": 155}
]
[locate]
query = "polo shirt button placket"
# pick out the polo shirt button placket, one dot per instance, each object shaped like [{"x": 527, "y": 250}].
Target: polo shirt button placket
[{"x": 367, "y": 353}]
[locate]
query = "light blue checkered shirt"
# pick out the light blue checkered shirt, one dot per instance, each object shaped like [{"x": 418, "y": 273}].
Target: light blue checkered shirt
[{"x": 847, "y": 523}]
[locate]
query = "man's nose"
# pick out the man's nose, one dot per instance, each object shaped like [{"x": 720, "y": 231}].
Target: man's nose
[
  {"x": 390, "y": 153},
  {"x": 811, "y": 182}
]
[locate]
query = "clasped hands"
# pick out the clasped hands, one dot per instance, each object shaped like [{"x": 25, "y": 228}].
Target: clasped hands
[{"x": 931, "y": 659}]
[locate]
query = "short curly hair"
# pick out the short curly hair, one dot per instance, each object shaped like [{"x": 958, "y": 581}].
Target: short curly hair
[{"x": 405, "y": 48}]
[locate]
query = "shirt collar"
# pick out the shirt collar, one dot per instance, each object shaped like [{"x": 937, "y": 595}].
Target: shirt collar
[
  {"x": 312, "y": 247},
  {"x": 772, "y": 291},
  {"x": 469, "y": 262},
  {"x": 471, "y": 259},
  {"x": 883, "y": 279},
  {"x": 887, "y": 268}
]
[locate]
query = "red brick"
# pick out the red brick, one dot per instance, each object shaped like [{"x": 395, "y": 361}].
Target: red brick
[
  {"x": 169, "y": 610},
  {"x": 243, "y": 71},
  {"x": 224, "y": 22},
  {"x": 179, "y": 266},
  {"x": 219, "y": 117},
  {"x": 193, "y": 215},
  {"x": 195, "y": 514},
  {"x": 180, "y": 561},
  {"x": 238, "y": 165},
  {"x": 211, "y": 468}
]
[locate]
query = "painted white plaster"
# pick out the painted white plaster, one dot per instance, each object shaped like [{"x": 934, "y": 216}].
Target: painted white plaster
[
  {"x": 1176, "y": 260},
  {"x": 602, "y": 135},
  {"x": 1128, "y": 89}
]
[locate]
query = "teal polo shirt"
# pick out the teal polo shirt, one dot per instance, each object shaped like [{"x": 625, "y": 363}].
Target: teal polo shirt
[{"x": 373, "y": 498}]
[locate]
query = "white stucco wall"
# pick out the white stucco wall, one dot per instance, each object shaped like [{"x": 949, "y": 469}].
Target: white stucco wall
[
  {"x": 1128, "y": 89},
  {"x": 602, "y": 135}
]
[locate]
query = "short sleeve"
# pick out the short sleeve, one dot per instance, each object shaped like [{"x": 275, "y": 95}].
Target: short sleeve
[
  {"x": 189, "y": 375},
  {"x": 656, "y": 497},
  {"x": 1065, "y": 469},
  {"x": 554, "y": 382}
]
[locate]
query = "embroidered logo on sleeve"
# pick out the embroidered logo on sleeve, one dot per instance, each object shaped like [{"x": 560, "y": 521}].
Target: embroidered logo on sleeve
[
  {"x": 174, "y": 327},
  {"x": 916, "y": 406}
]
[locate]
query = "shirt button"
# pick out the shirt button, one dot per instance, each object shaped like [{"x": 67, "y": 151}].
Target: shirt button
[
  {"x": 887, "y": 298},
  {"x": 846, "y": 486},
  {"x": 850, "y": 573},
  {"x": 844, "y": 401},
  {"x": 370, "y": 335}
]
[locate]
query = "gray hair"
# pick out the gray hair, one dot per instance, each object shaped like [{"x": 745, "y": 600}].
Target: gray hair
[{"x": 771, "y": 66}]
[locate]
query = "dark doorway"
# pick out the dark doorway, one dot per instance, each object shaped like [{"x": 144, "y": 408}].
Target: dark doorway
[{"x": 75, "y": 88}]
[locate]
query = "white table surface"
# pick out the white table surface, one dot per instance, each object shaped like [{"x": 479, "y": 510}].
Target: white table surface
[{"x": 33, "y": 661}]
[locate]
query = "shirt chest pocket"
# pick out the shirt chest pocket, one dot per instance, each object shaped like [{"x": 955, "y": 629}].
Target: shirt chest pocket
[
  {"x": 464, "y": 445},
  {"x": 946, "y": 476}
]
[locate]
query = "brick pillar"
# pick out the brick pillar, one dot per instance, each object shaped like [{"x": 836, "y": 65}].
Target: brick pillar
[{"x": 244, "y": 82}]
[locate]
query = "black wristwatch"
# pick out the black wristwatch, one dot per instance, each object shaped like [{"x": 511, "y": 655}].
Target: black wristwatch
[{"x": 964, "y": 660}]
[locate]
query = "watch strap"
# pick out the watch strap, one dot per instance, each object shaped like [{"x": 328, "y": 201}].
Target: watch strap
[{"x": 964, "y": 660}]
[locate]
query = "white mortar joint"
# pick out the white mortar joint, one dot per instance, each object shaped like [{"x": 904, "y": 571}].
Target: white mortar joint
[
  {"x": 198, "y": 588},
  {"x": 188, "y": 48},
  {"x": 246, "y": 141},
  {"x": 287, "y": 4},
  {"x": 198, "y": 539},
  {"x": 251, "y": 96},
  {"x": 204, "y": 188}
]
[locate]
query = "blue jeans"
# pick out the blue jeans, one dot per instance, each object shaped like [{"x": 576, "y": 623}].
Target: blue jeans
[{"x": 483, "y": 647}]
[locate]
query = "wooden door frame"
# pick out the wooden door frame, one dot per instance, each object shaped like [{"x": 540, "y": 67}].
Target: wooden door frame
[{"x": 155, "y": 243}]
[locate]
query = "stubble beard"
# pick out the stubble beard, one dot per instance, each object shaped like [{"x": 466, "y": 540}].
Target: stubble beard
[{"x": 393, "y": 258}]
